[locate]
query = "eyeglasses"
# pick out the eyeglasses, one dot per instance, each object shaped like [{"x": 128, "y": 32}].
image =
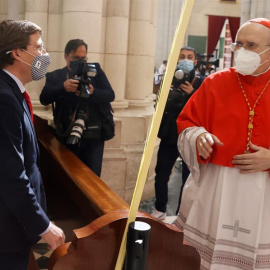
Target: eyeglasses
[
  {"x": 250, "y": 46},
  {"x": 40, "y": 47}
]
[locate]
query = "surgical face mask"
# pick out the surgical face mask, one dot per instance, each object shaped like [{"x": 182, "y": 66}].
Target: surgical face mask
[
  {"x": 39, "y": 65},
  {"x": 246, "y": 62},
  {"x": 185, "y": 65}
]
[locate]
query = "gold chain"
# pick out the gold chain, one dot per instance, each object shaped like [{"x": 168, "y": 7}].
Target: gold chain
[{"x": 251, "y": 110}]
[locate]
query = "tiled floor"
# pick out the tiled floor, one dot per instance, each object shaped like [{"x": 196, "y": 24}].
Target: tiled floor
[
  {"x": 42, "y": 253},
  {"x": 173, "y": 193}
]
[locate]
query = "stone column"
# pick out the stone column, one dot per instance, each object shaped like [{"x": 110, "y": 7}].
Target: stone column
[
  {"x": 140, "y": 64},
  {"x": 115, "y": 27},
  {"x": 9, "y": 9},
  {"x": 13, "y": 10},
  {"x": 168, "y": 18},
  {"x": 136, "y": 119},
  {"x": 116, "y": 48},
  {"x": 254, "y": 9},
  {"x": 55, "y": 35},
  {"x": 84, "y": 20},
  {"x": 37, "y": 11}
]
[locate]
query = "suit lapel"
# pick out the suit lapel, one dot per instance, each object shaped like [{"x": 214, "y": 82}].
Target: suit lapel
[
  {"x": 20, "y": 97},
  {"x": 17, "y": 92}
]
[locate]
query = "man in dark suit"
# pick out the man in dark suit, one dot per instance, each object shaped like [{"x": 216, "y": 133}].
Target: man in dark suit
[
  {"x": 82, "y": 106},
  {"x": 22, "y": 200}
]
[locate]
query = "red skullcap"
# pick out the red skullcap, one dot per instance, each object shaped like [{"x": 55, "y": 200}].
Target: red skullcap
[{"x": 262, "y": 21}]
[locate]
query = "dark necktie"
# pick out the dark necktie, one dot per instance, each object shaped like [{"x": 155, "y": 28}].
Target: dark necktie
[{"x": 29, "y": 104}]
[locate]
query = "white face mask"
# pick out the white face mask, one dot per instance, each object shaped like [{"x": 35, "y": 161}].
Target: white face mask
[
  {"x": 246, "y": 62},
  {"x": 186, "y": 65}
]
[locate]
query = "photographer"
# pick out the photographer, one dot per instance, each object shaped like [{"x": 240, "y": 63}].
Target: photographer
[
  {"x": 82, "y": 112},
  {"x": 183, "y": 86}
]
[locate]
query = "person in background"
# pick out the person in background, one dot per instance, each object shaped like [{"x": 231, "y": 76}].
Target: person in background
[
  {"x": 23, "y": 220},
  {"x": 162, "y": 67},
  {"x": 225, "y": 140},
  {"x": 181, "y": 91},
  {"x": 159, "y": 74},
  {"x": 82, "y": 108}
]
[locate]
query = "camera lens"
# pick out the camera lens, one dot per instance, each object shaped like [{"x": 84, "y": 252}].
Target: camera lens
[{"x": 76, "y": 132}]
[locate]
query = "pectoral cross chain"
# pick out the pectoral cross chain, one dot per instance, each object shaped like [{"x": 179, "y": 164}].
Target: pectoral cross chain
[
  {"x": 251, "y": 110},
  {"x": 251, "y": 115}
]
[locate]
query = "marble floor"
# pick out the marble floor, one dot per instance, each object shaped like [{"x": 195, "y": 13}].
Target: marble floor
[
  {"x": 173, "y": 193},
  {"x": 42, "y": 254}
]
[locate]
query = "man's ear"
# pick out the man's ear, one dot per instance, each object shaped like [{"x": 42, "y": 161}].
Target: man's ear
[
  {"x": 195, "y": 62},
  {"x": 16, "y": 54},
  {"x": 66, "y": 58}
]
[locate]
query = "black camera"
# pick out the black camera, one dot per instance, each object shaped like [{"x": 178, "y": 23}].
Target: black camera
[
  {"x": 85, "y": 73},
  {"x": 204, "y": 63},
  {"x": 180, "y": 77}
]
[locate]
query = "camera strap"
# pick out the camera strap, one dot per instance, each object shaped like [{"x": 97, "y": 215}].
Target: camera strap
[
  {"x": 53, "y": 108},
  {"x": 194, "y": 80},
  {"x": 58, "y": 127}
]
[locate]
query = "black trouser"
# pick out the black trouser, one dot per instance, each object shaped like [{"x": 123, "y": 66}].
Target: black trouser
[
  {"x": 185, "y": 174},
  {"x": 90, "y": 153},
  {"x": 14, "y": 261},
  {"x": 166, "y": 157}
]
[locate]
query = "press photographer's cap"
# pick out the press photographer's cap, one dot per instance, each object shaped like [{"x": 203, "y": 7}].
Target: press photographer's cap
[{"x": 262, "y": 21}]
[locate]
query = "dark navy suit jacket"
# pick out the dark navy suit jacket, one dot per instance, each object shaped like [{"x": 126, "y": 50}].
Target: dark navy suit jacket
[{"x": 22, "y": 198}]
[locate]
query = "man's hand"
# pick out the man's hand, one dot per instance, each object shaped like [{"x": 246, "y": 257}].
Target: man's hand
[
  {"x": 54, "y": 237},
  {"x": 204, "y": 142},
  {"x": 91, "y": 88},
  {"x": 187, "y": 87},
  {"x": 253, "y": 162},
  {"x": 71, "y": 86}
]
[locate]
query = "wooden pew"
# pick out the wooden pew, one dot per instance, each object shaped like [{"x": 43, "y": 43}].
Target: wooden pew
[
  {"x": 32, "y": 264},
  {"x": 59, "y": 167},
  {"x": 64, "y": 174},
  {"x": 87, "y": 190}
]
